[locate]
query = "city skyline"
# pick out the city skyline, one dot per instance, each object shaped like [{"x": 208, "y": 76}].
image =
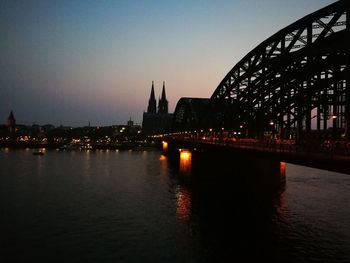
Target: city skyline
[{"x": 70, "y": 63}]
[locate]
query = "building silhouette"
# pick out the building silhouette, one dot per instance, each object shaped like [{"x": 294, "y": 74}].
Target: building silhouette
[
  {"x": 11, "y": 122},
  {"x": 157, "y": 121}
]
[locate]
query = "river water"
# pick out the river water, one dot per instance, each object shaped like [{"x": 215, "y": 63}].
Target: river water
[{"x": 110, "y": 206}]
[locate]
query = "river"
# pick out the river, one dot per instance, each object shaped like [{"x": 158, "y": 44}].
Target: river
[{"x": 127, "y": 206}]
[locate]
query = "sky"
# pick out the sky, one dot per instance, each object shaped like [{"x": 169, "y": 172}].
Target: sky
[{"x": 74, "y": 62}]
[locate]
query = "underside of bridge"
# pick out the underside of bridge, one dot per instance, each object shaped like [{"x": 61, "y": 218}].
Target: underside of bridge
[{"x": 295, "y": 83}]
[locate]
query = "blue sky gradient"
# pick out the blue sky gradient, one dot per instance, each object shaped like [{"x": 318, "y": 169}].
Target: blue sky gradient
[{"x": 71, "y": 62}]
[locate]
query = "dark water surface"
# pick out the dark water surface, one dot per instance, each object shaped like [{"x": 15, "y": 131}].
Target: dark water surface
[{"x": 108, "y": 206}]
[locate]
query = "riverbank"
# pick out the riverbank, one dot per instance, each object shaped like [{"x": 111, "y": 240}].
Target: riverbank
[{"x": 149, "y": 146}]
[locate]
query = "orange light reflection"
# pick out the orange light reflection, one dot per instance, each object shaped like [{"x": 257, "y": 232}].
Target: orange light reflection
[
  {"x": 183, "y": 200},
  {"x": 185, "y": 161}
]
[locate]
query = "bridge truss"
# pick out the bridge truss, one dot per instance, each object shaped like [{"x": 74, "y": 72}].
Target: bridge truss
[{"x": 295, "y": 81}]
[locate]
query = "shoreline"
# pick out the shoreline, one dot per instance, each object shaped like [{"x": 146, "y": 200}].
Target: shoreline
[{"x": 77, "y": 147}]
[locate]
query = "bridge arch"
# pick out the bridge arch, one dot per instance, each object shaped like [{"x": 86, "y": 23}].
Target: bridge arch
[
  {"x": 296, "y": 80},
  {"x": 190, "y": 113}
]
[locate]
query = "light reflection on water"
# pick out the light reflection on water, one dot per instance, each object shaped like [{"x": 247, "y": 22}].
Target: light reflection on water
[
  {"x": 138, "y": 206},
  {"x": 183, "y": 199}
]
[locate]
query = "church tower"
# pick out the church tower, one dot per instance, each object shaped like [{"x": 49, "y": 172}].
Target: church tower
[
  {"x": 152, "y": 103},
  {"x": 11, "y": 122},
  {"x": 163, "y": 103},
  {"x": 157, "y": 120}
]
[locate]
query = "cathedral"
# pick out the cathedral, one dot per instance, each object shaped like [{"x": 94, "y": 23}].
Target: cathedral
[{"x": 157, "y": 120}]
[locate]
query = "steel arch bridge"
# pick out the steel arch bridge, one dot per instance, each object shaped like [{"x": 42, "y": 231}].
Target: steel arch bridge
[{"x": 296, "y": 82}]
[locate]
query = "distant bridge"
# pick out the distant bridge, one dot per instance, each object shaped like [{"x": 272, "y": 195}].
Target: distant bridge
[{"x": 288, "y": 97}]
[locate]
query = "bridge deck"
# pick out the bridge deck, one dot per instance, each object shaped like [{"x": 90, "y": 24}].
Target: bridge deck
[{"x": 328, "y": 157}]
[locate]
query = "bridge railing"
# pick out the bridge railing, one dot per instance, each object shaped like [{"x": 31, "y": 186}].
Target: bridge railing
[{"x": 231, "y": 139}]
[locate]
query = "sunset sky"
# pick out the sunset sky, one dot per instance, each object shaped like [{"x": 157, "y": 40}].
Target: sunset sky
[{"x": 71, "y": 62}]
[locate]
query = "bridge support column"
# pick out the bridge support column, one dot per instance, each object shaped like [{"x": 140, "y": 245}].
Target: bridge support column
[
  {"x": 185, "y": 162},
  {"x": 165, "y": 147},
  {"x": 335, "y": 116},
  {"x": 318, "y": 117},
  {"x": 299, "y": 116},
  {"x": 347, "y": 80},
  {"x": 308, "y": 88},
  {"x": 308, "y": 110},
  {"x": 347, "y": 104},
  {"x": 325, "y": 106}
]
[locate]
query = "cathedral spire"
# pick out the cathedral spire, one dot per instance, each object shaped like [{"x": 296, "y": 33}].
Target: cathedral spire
[
  {"x": 163, "y": 92},
  {"x": 163, "y": 103},
  {"x": 152, "y": 97},
  {"x": 152, "y": 103}
]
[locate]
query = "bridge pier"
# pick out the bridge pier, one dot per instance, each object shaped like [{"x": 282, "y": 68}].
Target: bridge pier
[
  {"x": 347, "y": 80},
  {"x": 347, "y": 108},
  {"x": 209, "y": 168}
]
